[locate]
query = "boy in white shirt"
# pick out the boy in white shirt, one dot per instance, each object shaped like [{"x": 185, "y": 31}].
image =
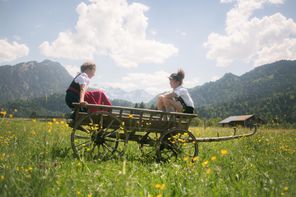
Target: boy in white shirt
[{"x": 77, "y": 91}]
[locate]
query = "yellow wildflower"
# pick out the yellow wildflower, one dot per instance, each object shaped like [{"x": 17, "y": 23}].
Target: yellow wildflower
[
  {"x": 2, "y": 178},
  {"x": 286, "y": 189},
  {"x": 30, "y": 169},
  {"x": 159, "y": 195},
  {"x": 205, "y": 163},
  {"x": 160, "y": 186},
  {"x": 34, "y": 120},
  {"x": 213, "y": 158},
  {"x": 157, "y": 186},
  {"x": 223, "y": 152},
  {"x": 3, "y": 113},
  {"x": 130, "y": 116},
  {"x": 89, "y": 195},
  {"x": 208, "y": 171},
  {"x": 185, "y": 134},
  {"x": 196, "y": 158},
  {"x": 186, "y": 158}
]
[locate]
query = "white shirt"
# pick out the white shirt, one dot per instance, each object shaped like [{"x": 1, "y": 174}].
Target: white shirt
[
  {"x": 182, "y": 92},
  {"x": 82, "y": 79}
]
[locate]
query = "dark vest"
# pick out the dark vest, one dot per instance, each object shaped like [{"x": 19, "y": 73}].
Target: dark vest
[{"x": 74, "y": 87}]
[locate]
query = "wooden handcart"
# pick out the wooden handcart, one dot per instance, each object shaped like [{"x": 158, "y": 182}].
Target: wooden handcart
[{"x": 107, "y": 131}]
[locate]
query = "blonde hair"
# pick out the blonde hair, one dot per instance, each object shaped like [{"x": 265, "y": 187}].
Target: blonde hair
[{"x": 87, "y": 65}]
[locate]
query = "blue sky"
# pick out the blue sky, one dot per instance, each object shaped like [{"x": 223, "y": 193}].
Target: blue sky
[{"x": 137, "y": 44}]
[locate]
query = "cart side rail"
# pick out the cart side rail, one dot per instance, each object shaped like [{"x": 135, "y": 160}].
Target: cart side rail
[{"x": 138, "y": 119}]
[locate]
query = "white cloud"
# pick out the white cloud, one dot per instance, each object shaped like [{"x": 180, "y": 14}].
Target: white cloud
[
  {"x": 191, "y": 83},
  {"x": 253, "y": 40},
  {"x": 153, "y": 83},
  {"x": 113, "y": 28},
  {"x": 72, "y": 70},
  {"x": 215, "y": 78},
  {"x": 11, "y": 51}
]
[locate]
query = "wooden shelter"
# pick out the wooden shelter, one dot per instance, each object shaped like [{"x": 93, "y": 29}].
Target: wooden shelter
[{"x": 242, "y": 120}]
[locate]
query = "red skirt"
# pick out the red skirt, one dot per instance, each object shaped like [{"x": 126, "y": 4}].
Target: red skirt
[{"x": 96, "y": 97}]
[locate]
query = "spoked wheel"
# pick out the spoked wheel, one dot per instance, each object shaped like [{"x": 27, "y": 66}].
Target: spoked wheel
[
  {"x": 147, "y": 144},
  {"x": 96, "y": 136},
  {"x": 176, "y": 144}
]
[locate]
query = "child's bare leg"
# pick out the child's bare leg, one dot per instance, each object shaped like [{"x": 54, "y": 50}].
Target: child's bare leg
[
  {"x": 172, "y": 104},
  {"x": 160, "y": 103}
]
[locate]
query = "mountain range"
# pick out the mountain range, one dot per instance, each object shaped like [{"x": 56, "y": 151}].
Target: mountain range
[
  {"x": 29, "y": 80},
  {"x": 136, "y": 96}
]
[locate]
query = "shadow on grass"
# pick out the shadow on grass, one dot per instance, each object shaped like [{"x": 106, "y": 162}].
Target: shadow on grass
[
  {"x": 132, "y": 154},
  {"x": 60, "y": 152}
]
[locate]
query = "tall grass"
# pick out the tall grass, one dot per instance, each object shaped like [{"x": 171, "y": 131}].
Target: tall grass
[{"x": 36, "y": 160}]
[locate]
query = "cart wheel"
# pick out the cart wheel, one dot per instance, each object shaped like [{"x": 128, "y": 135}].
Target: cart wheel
[
  {"x": 147, "y": 144},
  {"x": 96, "y": 136},
  {"x": 176, "y": 143}
]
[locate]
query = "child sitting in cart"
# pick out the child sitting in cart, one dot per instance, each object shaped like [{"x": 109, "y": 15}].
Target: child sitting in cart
[
  {"x": 77, "y": 91},
  {"x": 179, "y": 99}
]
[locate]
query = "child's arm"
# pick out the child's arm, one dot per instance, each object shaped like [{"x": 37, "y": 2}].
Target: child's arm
[{"x": 82, "y": 93}]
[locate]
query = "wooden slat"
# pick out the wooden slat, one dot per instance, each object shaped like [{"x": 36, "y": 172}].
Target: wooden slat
[{"x": 135, "y": 110}]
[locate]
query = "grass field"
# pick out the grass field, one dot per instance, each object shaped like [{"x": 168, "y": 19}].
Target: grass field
[{"x": 36, "y": 159}]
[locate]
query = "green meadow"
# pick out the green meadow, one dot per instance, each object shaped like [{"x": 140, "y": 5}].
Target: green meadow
[{"x": 36, "y": 159}]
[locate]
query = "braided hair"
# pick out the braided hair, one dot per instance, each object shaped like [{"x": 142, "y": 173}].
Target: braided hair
[{"x": 179, "y": 76}]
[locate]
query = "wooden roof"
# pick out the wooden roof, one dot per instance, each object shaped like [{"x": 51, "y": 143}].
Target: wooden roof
[{"x": 235, "y": 119}]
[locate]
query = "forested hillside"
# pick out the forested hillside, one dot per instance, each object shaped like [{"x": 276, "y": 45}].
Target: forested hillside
[
  {"x": 53, "y": 105},
  {"x": 268, "y": 91}
]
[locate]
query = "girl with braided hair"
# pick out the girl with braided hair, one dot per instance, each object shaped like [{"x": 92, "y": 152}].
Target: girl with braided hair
[{"x": 179, "y": 99}]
